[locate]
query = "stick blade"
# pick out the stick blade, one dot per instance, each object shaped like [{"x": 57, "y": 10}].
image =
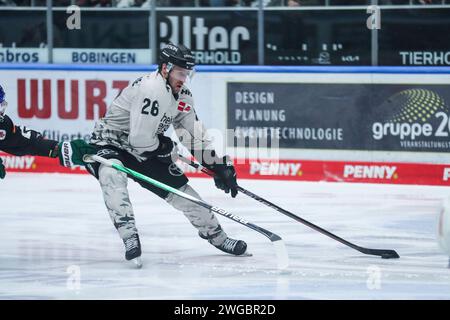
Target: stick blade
[
  {"x": 390, "y": 254},
  {"x": 384, "y": 254}
]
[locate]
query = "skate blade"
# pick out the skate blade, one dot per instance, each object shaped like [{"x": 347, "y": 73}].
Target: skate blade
[
  {"x": 246, "y": 254},
  {"x": 137, "y": 262}
]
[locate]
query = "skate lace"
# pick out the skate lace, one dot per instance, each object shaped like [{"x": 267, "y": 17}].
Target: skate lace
[
  {"x": 131, "y": 243},
  {"x": 229, "y": 244}
]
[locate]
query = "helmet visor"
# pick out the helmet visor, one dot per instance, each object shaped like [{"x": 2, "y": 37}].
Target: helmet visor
[{"x": 181, "y": 74}]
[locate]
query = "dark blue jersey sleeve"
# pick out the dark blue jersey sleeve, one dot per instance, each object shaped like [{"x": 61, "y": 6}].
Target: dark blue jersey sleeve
[{"x": 21, "y": 141}]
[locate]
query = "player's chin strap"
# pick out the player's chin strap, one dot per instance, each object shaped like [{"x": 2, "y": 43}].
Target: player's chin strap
[
  {"x": 385, "y": 254},
  {"x": 277, "y": 241}
]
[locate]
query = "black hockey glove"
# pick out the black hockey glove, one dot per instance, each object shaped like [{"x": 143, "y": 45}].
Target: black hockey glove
[
  {"x": 166, "y": 151},
  {"x": 225, "y": 175},
  {"x": 2, "y": 169}
]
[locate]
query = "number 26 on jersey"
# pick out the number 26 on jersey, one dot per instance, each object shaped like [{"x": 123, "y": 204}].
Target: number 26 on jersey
[{"x": 154, "y": 107}]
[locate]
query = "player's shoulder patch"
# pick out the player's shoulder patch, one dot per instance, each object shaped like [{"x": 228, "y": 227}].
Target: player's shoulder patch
[
  {"x": 185, "y": 100},
  {"x": 184, "y": 106}
]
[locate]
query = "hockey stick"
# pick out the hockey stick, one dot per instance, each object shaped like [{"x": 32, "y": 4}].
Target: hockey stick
[
  {"x": 280, "y": 248},
  {"x": 384, "y": 253}
]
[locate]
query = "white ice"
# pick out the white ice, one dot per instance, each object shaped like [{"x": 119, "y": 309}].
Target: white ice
[{"x": 57, "y": 242}]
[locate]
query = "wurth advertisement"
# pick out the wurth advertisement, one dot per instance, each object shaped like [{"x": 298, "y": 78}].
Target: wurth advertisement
[
  {"x": 388, "y": 117},
  {"x": 62, "y": 105}
]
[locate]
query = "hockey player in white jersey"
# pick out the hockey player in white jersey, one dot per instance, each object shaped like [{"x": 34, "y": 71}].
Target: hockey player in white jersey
[{"x": 132, "y": 134}]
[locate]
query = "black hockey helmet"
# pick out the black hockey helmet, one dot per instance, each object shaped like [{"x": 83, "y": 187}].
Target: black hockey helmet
[{"x": 180, "y": 56}]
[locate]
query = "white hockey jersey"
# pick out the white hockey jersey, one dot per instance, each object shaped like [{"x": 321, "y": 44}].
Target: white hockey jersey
[{"x": 145, "y": 109}]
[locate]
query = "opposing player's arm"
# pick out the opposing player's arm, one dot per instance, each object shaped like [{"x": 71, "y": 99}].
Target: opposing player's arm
[
  {"x": 22, "y": 141},
  {"x": 2, "y": 169}
]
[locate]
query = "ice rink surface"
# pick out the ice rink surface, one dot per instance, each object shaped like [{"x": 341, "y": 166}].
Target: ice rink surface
[{"x": 57, "y": 242}]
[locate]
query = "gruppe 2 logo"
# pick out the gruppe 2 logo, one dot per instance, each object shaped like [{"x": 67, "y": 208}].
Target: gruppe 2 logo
[
  {"x": 210, "y": 43},
  {"x": 413, "y": 114}
]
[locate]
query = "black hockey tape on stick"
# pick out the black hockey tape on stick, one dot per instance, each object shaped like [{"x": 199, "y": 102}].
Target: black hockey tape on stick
[
  {"x": 383, "y": 253},
  {"x": 280, "y": 248}
]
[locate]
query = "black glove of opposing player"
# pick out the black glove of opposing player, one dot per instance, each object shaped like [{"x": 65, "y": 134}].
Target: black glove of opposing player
[
  {"x": 225, "y": 175},
  {"x": 2, "y": 169}
]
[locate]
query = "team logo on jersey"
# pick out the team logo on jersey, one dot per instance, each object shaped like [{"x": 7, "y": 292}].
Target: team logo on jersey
[
  {"x": 184, "y": 107},
  {"x": 175, "y": 171},
  {"x": 2, "y": 134},
  {"x": 164, "y": 124}
]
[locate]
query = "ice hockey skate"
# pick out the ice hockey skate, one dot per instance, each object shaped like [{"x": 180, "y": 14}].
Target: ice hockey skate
[
  {"x": 231, "y": 246},
  {"x": 133, "y": 250}
]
